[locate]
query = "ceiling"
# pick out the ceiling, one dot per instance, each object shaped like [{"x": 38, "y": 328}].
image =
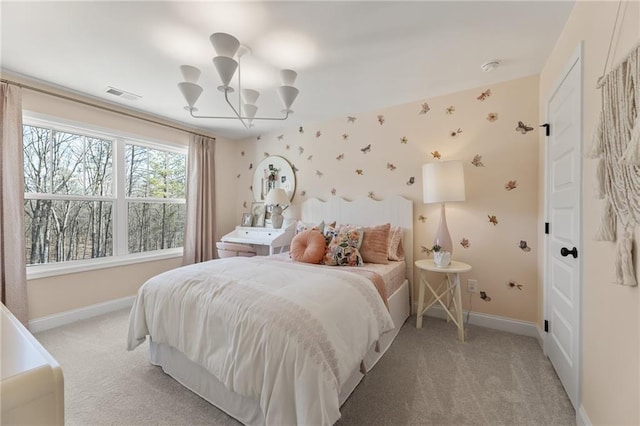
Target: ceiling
[{"x": 351, "y": 57}]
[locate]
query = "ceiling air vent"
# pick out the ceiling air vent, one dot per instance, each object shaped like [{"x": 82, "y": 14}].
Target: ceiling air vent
[{"x": 122, "y": 94}]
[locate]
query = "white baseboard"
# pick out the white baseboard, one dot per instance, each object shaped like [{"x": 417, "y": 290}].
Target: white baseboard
[
  {"x": 495, "y": 322},
  {"x": 541, "y": 336},
  {"x": 581, "y": 417},
  {"x": 56, "y": 320}
]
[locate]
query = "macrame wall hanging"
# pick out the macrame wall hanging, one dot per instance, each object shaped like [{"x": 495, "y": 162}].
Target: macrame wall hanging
[{"x": 617, "y": 146}]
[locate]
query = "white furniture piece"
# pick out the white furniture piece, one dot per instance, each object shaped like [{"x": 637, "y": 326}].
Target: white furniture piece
[
  {"x": 264, "y": 240},
  {"x": 32, "y": 386},
  {"x": 447, "y": 293}
]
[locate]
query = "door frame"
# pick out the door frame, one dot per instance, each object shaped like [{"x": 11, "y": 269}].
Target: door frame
[{"x": 576, "y": 59}]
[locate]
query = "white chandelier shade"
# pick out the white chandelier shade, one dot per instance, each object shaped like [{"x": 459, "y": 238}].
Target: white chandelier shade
[
  {"x": 224, "y": 44},
  {"x": 228, "y": 60}
]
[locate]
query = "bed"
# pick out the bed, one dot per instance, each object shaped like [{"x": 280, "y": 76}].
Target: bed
[{"x": 300, "y": 338}]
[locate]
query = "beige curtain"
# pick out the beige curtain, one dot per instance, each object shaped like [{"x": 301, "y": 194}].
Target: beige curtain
[
  {"x": 12, "y": 255},
  {"x": 200, "y": 223}
]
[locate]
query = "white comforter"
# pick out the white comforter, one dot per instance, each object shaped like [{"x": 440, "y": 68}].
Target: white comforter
[{"x": 285, "y": 334}]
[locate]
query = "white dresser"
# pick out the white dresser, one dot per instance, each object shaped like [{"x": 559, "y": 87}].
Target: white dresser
[
  {"x": 32, "y": 387},
  {"x": 266, "y": 241}
]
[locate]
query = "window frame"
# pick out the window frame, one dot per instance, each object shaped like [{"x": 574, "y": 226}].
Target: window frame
[{"x": 120, "y": 140}]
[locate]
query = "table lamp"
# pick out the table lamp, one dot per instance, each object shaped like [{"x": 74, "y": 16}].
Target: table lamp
[
  {"x": 278, "y": 199},
  {"x": 442, "y": 182}
]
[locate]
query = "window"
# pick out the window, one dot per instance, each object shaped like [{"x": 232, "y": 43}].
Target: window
[{"x": 90, "y": 196}]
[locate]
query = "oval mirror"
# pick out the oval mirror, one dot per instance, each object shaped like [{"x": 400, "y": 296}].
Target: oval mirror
[{"x": 273, "y": 172}]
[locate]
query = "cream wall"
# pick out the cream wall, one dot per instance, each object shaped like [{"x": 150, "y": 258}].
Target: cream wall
[
  {"x": 61, "y": 293},
  {"x": 493, "y": 250},
  {"x": 610, "y": 313}
]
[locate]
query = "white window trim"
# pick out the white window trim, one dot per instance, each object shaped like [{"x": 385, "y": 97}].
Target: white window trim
[
  {"x": 119, "y": 140},
  {"x": 70, "y": 267}
]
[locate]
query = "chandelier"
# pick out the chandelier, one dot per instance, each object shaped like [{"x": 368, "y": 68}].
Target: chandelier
[{"x": 227, "y": 47}]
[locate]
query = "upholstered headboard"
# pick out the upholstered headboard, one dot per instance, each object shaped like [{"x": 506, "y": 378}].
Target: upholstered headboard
[{"x": 365, "y": 211}]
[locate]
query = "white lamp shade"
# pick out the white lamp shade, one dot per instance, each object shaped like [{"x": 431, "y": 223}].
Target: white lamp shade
[
  {"x": 443, "y": 182},
  {"x": 226, "y": 67},
  {"x": 287, "y": 95},
  {"x": 288, "y": 77},
  {"x": 190, "y": 91},
  {"x": 190, "y": 74},
  {"x": 250, "y": 96},
  {"x": 224, "y": 44},
  {"x": 250, "y": 110},
  {"x": 277, "y": 197}
]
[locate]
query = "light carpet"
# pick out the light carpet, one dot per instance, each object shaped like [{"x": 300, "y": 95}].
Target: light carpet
[{"x": 427, "y": 377}]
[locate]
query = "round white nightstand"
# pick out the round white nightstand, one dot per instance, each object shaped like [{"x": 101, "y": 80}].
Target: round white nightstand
[{"x": 449, "y": 289}]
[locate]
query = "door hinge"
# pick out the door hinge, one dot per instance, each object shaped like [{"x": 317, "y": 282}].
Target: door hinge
[
  {"x": 546, "y": 326},
  {"x": 547, "y": 129},
  {"x": 546, "y": 227}
]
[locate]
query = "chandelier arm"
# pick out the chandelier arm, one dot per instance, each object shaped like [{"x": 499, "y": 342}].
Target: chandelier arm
[
  {"x": 226, "y": 97},
  {"x": 242, "y": 118}
]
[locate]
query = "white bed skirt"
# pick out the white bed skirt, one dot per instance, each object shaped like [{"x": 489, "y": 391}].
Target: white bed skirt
[{"x": 247, "y": 410}]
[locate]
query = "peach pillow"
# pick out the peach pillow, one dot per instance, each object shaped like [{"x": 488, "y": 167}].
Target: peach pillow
[
  {"x": 375, "y": 244},
  {"x": 307, "y": 246}
]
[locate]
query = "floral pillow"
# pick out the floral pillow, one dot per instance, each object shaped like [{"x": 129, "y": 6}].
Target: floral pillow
[
  {"x": 305, "y": 226},
  {"x": 358, "y": 229},
  {"x": 342, "y": 250}
]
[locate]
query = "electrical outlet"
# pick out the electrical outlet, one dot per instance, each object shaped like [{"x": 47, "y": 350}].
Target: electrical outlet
[{"x": 472, "y": 286}]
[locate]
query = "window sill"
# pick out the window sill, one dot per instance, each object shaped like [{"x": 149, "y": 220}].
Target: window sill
[{"x": 53, "y": 269}]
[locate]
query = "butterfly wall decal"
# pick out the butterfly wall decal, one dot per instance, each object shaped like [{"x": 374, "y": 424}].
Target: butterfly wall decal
[
  {"x": 333, "y": 191},
  {"x": 513, "y": 284},
  {"x": 280, "y": 137},
  {"x": 366, "y": 149},
  {"x": 303, "y": 193},
  {"x": 359, "y": 172},
  {"x": 287, "y": 146},
  {"x": 340, "y": 157},
  {"x": 351, "y": 119},
  {"x": 436, "y": 155},
  {"x": 294, "y": 168},
  {"x": 301, "y": 130},
  {"x": 493, "y": 219},
  {"x": 238, "y": 175},
  {"x": 319, "y": 173},
  {"x": 404, "y": 140},
  {"x": 411, "y": 181},
  {"x": 250, "y": 166},
  {"x": 523, "y": 128},
  {"x": 244, "y": 205},
  {"x": 465, "y": 243},
  {"x": 428, "y": 251},
  {"x": 381, "y": 119},
  {"x": 492, "y": 116},
  {"x": 391, "y": 166},
  {"x": 242, "y": 153},
  {"x": 523, "y": 246},
  {"x": 455, "y": 133},
  {"x": 484, "y": 95},
  {"x": 424, "y": 108},
  {"x": 450, "y": 110},
  {"x": 371, "y": 195},
  {"x": 512, "y": 184},
  {"x": 477, "y": 160},
  {"x": 422, "y": 218},
  {"x": 250, "y": 188},
  {"x": 266, "y": 154},
  {"x": 345, "y": 136},
  {"x": 318, "y": 134},
  {"x": 300, "y": 150},
  {"x": 310, "y": 157}
]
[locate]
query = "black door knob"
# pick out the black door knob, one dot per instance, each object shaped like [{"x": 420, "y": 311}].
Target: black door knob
[{"x": 566, "y": 252}]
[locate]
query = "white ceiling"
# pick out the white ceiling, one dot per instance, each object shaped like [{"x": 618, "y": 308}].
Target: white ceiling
[{"x": 351, "y": 57}]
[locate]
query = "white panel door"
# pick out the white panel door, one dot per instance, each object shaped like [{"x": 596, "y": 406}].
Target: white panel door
[{"x": 563, "y": 244}]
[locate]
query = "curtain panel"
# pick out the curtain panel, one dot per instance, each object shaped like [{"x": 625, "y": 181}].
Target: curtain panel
[
  {"x": 13, "y": 273},
  {"x": 200, "y": 223}
]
